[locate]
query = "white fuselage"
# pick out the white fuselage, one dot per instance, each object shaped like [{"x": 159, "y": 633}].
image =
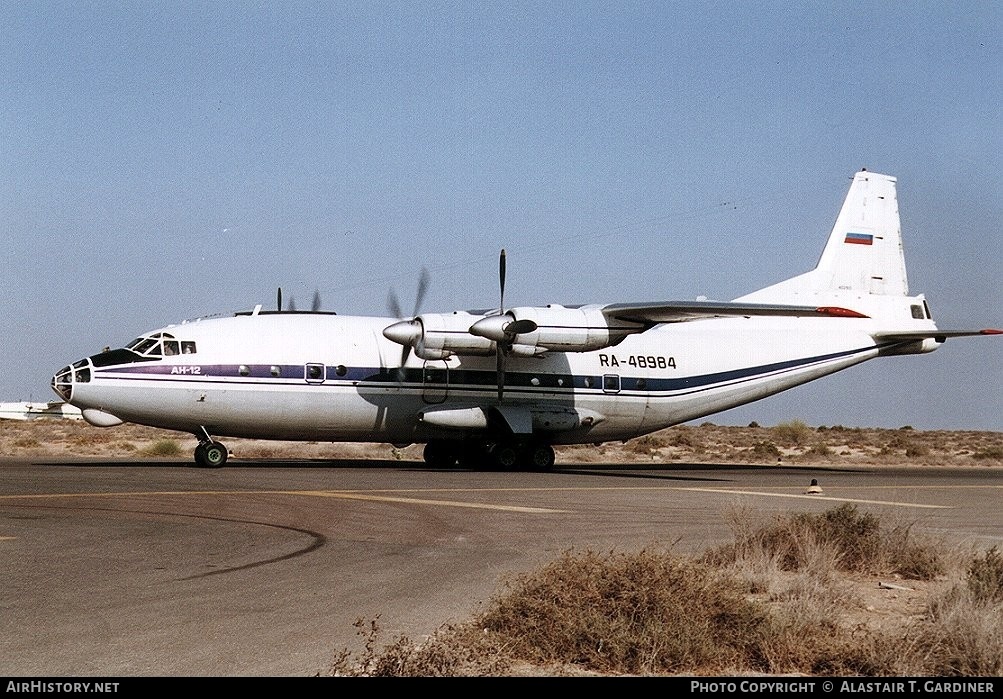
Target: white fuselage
[{"x": 326, "y": 377}]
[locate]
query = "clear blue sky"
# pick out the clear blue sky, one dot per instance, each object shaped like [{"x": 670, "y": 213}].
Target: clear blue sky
[{"x": 167, "y": 160}]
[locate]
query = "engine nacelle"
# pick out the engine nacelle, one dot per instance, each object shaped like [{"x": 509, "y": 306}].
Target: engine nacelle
[
  {"x": 443, "y": 334},
  {"x": 563, "y": 329},
  {"x": 528, "y": 331}
]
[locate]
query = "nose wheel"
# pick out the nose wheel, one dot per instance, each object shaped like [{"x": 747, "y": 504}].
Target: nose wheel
[{"x": 210, "y": 454}]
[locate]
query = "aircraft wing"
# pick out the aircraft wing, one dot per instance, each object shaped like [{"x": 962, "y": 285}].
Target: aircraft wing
[
  {"x": 656, "y": 312},
  {"x": 30, "y": 411}
]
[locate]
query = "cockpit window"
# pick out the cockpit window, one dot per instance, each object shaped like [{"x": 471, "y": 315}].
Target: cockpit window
[
  {"x": 160, "y": 345},
  {"x": 147, "y": 347}
]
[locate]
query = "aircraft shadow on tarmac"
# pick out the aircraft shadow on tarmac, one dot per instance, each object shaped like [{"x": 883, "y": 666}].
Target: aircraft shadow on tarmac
[{"x": 645, "y": 470}]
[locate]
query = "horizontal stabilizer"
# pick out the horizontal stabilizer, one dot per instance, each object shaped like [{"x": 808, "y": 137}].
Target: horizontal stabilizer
[{"x": 939, "y": 335}]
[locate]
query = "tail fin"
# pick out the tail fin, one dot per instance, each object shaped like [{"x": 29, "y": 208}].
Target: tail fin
[
  {"x": 864, "y": 252},
  {"x": 862, "y": 269},
  {"x": 863, "y": 255}
]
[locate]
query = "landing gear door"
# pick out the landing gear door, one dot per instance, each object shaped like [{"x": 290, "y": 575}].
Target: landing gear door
[{"x": 435, "y": 381}]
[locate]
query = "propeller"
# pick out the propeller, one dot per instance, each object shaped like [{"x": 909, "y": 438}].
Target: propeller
[
  {"x": 501, "y": 328},
  {"x": 406, "y": 332},
  {"x": 501, "y": 351},
  {"x": 315, "y": 306}
]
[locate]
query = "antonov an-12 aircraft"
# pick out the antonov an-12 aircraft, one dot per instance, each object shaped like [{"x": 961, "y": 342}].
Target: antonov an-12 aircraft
[{"x": 499, "y": 388}]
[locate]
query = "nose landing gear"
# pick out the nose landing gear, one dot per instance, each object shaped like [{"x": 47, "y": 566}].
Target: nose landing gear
[{"x": 209, "y": 453}]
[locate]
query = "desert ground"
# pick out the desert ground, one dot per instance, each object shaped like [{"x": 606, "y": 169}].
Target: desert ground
[{"x": 788, "y": 443}]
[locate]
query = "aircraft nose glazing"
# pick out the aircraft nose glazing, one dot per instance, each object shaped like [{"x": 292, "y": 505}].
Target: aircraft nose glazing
[
  {"x": 63, "y": 380},
  {"x": 62, "y": 383}
]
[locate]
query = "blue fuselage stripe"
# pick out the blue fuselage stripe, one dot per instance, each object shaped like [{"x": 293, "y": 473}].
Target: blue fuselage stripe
[{"x": 457, "y": 379}]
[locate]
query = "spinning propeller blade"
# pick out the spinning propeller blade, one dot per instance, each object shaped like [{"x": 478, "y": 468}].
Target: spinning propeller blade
[
  {"x": 501, "y": 281},
  {"x": 502, "y": 328},
  {"x": 315, "y": 306},
  {"x": 501, "y": 350},
  {"x": 407, "y": 332}
]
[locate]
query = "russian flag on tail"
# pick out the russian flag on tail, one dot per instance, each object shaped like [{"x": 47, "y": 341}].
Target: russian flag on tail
[{"x": 859, "y": 238}]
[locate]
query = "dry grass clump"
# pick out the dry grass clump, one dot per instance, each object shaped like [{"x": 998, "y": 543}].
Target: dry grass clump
[
  {"x": 630, "y": 613},
  {"x": 984, "y": 578},
  {"x": 781, "y": 599},
  {"x": 995, "y": 453},
  {"x": 841, "y": 539},
  {"x": 962, "y": 635},
  {"x": 639, "y": 613},
  {"x": 793, "y": 433},
  {"x": 26, "y": 442},
  {"x": 453, "y": 651},
  {"x": 162, "y": 447}
]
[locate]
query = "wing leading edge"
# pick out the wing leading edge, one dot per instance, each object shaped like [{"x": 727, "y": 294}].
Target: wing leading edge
[{"x": 656, "y": 312}]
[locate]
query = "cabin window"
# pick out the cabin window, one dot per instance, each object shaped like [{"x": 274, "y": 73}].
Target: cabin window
[
  {"x": 917, "y": 311},
  {"x": 341, "y": 370},
  {"x": 275, "y": 371},
  {"x": 611, "y": 383},
  {"x": 315, "y": 373},
  {"x": 641, "y": 384},
  {"x": 244, "y": 370}
]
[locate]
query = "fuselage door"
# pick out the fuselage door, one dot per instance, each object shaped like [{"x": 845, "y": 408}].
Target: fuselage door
[{"x": 435, "y": 381}]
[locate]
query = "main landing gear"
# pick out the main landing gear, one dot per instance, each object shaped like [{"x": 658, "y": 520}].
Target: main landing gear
[
  {"x": 209, "y": 453},
  {"x": 504, "y": 455}
]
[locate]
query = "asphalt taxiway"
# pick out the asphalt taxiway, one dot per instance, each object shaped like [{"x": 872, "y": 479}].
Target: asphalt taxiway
[{"x": 263, "y": 568}]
